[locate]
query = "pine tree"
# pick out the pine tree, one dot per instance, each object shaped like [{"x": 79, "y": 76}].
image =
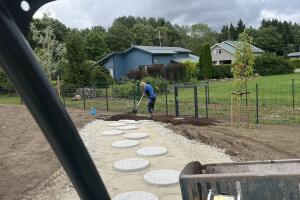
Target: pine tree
[
  {"x": 223, "y": 34},
  {"x": 232, "y": 33},
  {"x": 77, "y": 71},
  {"x": 240, "y": 27},
  {"x": 207, "y": 62}
]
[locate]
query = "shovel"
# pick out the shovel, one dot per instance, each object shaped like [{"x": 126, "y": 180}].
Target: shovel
[{"x": 135, "y": 110}]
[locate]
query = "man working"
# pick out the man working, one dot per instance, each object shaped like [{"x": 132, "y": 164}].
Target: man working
[{"x": 148, "y": 90}]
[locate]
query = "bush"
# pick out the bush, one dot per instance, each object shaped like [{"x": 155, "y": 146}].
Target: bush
[
  {"x": 270, "y": 64},
  {"x": 295, "y": 63},
  {"x": 191, "y": 70},
  {"x": 222, "y": 71},
  {"x": 101, "y": 76},
  {"x": 136, "y": 74},
  {"x": 175, "y": 72},
  {"x": 4, "y": 82},
  {"x": 155, "y": 70},
  {"x": 125, "y": 90},
  {"x": 207, "y": 62},
  {"x": 159, "y": 84}
]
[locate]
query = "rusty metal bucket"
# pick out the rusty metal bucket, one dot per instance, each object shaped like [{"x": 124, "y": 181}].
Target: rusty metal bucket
[{"x": 278, "y": 179}]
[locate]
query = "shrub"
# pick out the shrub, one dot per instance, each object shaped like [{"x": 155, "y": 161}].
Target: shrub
[
  {"x": 136, "y": 74},
  {"x": 159, "y": 84},
  {"x": 175, "y": 72},
  {"x": 155, "y": 70},
  {"x": 295, "y": 63},
  {"x": 207, "y": 62},
  {"x": 4, "y": 82},
  {"x": 125, "y": 90},
  {"x": 222, "y": 71},
  {"x": 270, "y": 64},
  {"x": 191, "y": 70},
  {"x": 101, "y": 76}
]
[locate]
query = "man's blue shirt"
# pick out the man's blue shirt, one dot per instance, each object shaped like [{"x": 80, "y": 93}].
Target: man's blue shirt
[{"x": 148, "y": 90}]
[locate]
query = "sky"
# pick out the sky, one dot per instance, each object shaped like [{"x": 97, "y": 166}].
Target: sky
[{"x": 216, "y": 13}]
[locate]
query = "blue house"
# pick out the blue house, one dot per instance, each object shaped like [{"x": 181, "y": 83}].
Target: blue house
[{"x": 119, "y": 63}]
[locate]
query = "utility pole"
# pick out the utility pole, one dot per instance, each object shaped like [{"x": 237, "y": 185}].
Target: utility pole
[{"x": 159, "y": 38}]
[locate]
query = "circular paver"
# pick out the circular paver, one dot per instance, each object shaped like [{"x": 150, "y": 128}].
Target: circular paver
[
  {"x": 125, "y": 143},
  {"x": 146, "y": 120},
  {"x": 112, "y": 132},
  {"x": 131, "y": 165},
  {"x": 162, "y": 177},
  {"x": 133, "y": 122},
  {"x": 152, "y": 151},
  {"x": 136, "y": 195},
  {"x": 117, "y": 124},
  {"x": 127, "y": 127},
  {"x": 125, "y": 120},
  {"x": 136, "y": 136}
]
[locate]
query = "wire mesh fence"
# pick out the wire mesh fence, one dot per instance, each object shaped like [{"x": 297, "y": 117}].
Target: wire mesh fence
[{"x": 268, "y": 103}]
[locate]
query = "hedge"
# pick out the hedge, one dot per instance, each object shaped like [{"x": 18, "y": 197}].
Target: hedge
[
  {"x": 222, "y": 71},
  {"x": 270, "y": 64},
  {"x": 295, "y": 63}
]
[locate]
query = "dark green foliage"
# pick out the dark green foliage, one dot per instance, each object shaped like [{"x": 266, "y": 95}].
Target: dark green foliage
[
  {"x": 207, "y": 62},
  {"x": 77, "y": 72},
  {"x": 240, "y": 27},
  {"x": 95, "y": 46},
  {"x": 200, "y": 64},
  {"x": 4, "y": 82},
  {"x": 270, "y": 64},
  {"x": 119, "y": 38},
  {"x": 137, "y": 74},
  {"x": 295, "y": 63},
  {"x": 175, "y": 72},
  {"x": 232, "y": 33},
  {"x": 155, "y": 70},
  {"x": 223, "y": 36},
  {"x": 222, "y": 71},
  {"x": 100, "y": 76}
]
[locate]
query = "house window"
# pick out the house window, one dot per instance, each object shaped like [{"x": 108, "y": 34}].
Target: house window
[
  {"x": 142, "y": 68},
  {"x": 217, "y": 51}
]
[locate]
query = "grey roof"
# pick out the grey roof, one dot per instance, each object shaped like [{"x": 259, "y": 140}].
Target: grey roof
[
  {"x": 230, "y": 46},
  {"x": 293, "y": 54},
  {"x": 191, "y": 57},
  {"x": 163, "y": 50}
]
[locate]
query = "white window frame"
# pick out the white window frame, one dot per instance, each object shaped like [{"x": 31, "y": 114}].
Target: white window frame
[{"x": 217, "y": 51}]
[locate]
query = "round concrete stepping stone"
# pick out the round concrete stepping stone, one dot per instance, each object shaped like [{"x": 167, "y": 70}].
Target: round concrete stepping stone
[
  {"x": 152, "y": 151},
  {"x": 131, "y": 165},
  {"x": 117, "y": 124},
  {"x": 127, "y": 127},
  {"x": 125, "y": 143},
  {"x": 136, "y": 195},
  {"x": 162, "y": 177},
  {"x": 146, "y": 120},
  {"x": 125, "y": 120},
  {"x": 136, "y": 136},
  {"x": 112, "y": 132},
  {"x": 133, "y": 122}
]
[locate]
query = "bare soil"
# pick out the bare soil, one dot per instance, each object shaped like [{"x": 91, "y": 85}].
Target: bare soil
[{"x": 26, "y": 159}]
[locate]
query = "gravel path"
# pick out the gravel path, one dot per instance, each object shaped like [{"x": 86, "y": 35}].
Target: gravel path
[{"x": 180, "y": 152}]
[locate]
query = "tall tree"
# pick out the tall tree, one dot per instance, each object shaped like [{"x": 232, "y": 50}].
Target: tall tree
[
  {"x": 77, "y": 72},
  {"x": 201, "y": 34},
  {"x": 51, "y": 52},
  {"x": 268, "y": 39},
  {"x": 184, "y": 38},
  {"x": 223, "y": 36},
  {"x": 143, "y": 34},
  {"x": 126, "y": 21},
  {"x": 240, "y": 27},
  {"x": 232, "y": 33},
  {"x": 119, "y": 38},
  {"x": 95, "y": 47}
]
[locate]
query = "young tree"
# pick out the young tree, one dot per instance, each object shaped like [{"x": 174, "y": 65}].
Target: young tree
[
  {"x": 77, "y": 72},
  {"x": 51, "y": 53},
  {"x": 243, "y": 64}
]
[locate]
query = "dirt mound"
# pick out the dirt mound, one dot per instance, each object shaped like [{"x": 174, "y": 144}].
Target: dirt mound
[{"x": 166, "y": 119}]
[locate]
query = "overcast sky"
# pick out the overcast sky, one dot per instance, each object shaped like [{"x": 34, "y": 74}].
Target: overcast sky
[{"x": 87, "y": 13}]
